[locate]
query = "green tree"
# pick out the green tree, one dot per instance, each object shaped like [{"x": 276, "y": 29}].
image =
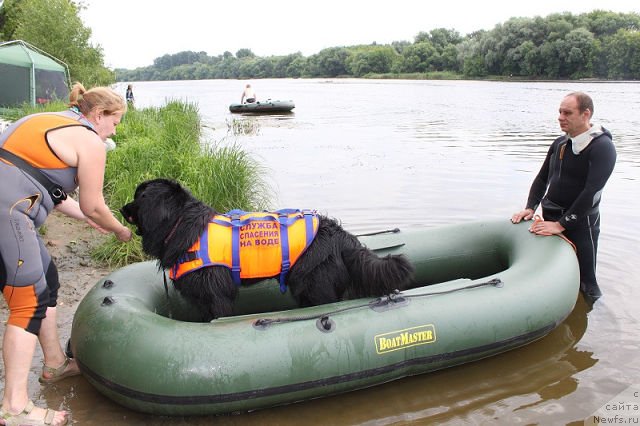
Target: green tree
[
  {"x": 604, "y": 23},
  {"x": 265, "y": 67},
  {"x": 515, "y": 62},
  {"x": 298, "y": 67},
  {"x": 282, "y": 65},
  {"x": 399, "y": 46},
  {"x": 8, "y": 21},
  {"x": 450, "y": 58},
  {"x": 623, "y": 55},
  {"x": 55, "y": 27},
  {"x": 474, "y": 67},
  {"x": 420, "y": 57},
  {"x": 202, "y": 71},
  {"x": 443, "y": 37},
  {"x": 552, "y": 56},
  {"x": 471, "y": 57},
  {"x": 245, "y": 53},
  {"x": 371, "y": 59},
  {"x": 558, "y": 26},
  {"x": 331, "y": 62},
  {"x": 532, "y": 65},
  {"x": 580, "y": 46}
]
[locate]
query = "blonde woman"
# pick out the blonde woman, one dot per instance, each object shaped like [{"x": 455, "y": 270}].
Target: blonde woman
[{"x": 42, "y": 157}]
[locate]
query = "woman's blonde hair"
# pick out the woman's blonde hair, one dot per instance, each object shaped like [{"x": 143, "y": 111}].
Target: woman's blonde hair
[{"x": 101, "y": 98}]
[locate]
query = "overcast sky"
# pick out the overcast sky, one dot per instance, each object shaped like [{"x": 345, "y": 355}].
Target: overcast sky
[{"x": 133, "y": 33}]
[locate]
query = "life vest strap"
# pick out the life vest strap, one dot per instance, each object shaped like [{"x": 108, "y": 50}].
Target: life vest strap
[
  {"x": 235, "y": 247},
  {"x": 284, "y": 244},
  {"x": 308, "y": 221}
]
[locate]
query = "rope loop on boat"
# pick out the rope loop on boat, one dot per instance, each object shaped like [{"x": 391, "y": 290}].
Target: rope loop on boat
[
  {"x": 386, "y": 231},
  {"x": 390, "y": 301},
  {"x": 496, "y": 282},
  {"x": 262, "y": 323}
]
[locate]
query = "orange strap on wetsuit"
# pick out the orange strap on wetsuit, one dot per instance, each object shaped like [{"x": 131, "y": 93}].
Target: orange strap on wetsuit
[{"x": 252, "y": 245}]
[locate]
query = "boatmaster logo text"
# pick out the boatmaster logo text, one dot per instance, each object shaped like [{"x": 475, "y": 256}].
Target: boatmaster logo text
[{"x": 406, "y": 338}]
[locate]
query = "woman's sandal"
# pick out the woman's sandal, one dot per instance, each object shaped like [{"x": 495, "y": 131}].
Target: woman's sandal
[
  {"x": 23, "y": 419},
  {"x": 57, "y": 374}
]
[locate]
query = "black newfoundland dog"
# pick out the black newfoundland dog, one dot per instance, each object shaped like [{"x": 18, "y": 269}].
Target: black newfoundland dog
[{"x": 335, "y": 264}]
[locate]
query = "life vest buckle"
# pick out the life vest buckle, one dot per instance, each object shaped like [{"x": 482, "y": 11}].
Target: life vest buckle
[{"x": 286, "y": 265}]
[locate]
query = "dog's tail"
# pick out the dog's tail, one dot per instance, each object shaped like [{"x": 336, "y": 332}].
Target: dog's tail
[{"x": 373, "y": 276}]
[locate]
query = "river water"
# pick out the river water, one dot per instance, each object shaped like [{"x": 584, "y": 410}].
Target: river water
[{"x": 381, "y": 154}]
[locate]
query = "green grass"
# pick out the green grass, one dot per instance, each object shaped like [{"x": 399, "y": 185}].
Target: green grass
[
  {"x": 166, "y": 142},
  {"x": 26, "y": 108}
]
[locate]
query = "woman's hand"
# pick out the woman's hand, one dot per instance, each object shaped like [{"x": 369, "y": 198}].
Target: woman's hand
[
  {"x": 96, "y": 226},
  {"x": 124, "y": 234}
]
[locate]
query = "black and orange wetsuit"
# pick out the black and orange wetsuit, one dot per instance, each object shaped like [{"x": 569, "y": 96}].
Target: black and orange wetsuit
[{"x": 28, "y": 277}]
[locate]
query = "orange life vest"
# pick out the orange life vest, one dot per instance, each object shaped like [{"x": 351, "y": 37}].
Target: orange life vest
[{"x": 252, "y": 245}]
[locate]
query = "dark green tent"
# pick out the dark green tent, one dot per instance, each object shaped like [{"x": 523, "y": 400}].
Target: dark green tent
[{"x": 30, "y": 75}]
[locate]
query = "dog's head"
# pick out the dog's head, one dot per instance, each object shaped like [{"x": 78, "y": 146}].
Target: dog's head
[
  {"x": 167, "y": 217},
  {"x": 156, "y": 205}
]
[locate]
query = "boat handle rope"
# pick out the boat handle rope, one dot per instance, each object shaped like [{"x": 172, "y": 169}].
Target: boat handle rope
[
  {"x": 386, "y": 231},
  {"x": 389, "y": 301}
]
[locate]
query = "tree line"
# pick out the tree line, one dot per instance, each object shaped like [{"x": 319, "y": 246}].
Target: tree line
[{"x": 599, "y": 44}]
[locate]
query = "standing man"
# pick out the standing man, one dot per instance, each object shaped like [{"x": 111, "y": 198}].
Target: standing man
[{"x": 569, "y": 186}]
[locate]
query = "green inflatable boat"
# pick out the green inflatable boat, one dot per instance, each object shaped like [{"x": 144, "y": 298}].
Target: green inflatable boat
[
  {"x": 264, "y": 107},
  {"x": 481, "y": 289}
]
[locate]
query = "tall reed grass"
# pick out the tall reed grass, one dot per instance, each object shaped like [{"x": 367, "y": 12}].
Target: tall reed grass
[{"x": 166, "y": 142}]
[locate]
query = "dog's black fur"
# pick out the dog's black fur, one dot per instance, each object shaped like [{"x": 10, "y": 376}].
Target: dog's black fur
[{"x": 170, "y": 220}]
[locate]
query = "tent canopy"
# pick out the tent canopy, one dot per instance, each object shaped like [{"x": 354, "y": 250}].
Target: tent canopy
[
  {"x": 21, "y": 56},
  {"x": 30, "y": 75}
]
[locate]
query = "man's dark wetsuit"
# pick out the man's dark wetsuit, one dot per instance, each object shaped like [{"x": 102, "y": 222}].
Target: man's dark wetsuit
[{"x": 569, "y": 188}]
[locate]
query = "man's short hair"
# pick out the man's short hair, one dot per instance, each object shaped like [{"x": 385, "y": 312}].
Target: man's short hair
[{"x": 584, "y": 101}]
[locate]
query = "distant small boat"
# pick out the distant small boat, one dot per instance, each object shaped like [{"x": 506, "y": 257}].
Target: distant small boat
[{"x": 267, "y": 106}]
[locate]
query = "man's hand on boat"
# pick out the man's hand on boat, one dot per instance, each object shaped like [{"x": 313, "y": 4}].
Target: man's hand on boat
[{"x": 546, "y": 227}]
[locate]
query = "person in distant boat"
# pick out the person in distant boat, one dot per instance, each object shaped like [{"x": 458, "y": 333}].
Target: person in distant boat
[
  {"x": 569, "y": 186},
  {"x": 129, "y": 95},
  {"x": 248, "y": 95}
]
